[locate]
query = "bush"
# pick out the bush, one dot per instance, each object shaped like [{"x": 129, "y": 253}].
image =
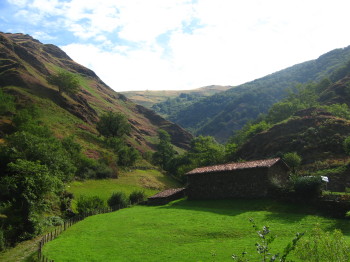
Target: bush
[
  {"x": 137, "y": 196},
  {"x": 89, "y": 204},
  {"x": 117, "y": 200},
  {"x": 324, "y": 246},
  {"x": 308, "y": 186},
  {"x": 54, "y": 221},
  {"x": 2, "y": 240}
]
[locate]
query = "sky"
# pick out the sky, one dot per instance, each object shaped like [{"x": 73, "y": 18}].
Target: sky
[{"x": 182, "y": 44}]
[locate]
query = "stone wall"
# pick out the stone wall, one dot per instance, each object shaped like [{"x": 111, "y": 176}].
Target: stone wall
[{"x": 248, "y": 183}]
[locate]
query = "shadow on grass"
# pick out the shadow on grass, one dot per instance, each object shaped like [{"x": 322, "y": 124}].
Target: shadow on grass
[{"x": 274, "y": 209}]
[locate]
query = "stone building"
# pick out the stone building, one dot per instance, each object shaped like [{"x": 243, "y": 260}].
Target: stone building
[{"x": 251, "y": 179}]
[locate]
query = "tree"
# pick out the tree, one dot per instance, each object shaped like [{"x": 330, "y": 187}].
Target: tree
[
  {"x": 113, "y": 124},
  {"x": 65, "y": 81},
  {"x": 293, "y": 160},
  {"x": 165, "y": 151}
]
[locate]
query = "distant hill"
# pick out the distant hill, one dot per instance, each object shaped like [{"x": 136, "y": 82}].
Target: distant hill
[
  {"x": 149, "y": 98},
  {"x": 25, "y": 64},
  {"x": 223, "y": 113}
]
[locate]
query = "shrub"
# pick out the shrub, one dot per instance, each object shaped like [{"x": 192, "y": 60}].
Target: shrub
[
  {"x": 324, "y": 246},
  {"x": 2, "y": 240},
  {"x": 118, "y": 200},
  {"x": 54, "y": 221},
  {"x": 89, "y": 204},
  {"x": 308, "y": 186},
  {"x": 137, "y": 196}
]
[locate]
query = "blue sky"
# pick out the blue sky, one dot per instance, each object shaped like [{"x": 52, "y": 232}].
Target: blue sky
[{"x": 182, "y": 44}]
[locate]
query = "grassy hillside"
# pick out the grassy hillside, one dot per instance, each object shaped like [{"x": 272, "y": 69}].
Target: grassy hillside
[
  {"x": 150, "y": 181},
  {"x": 224, "y": 113},
  {"x": 149, "y": 98},
  {"x": 185, "y": 231},
  {"x": 25, "y": 66}
]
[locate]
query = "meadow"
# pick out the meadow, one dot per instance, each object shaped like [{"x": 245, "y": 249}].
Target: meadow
[
  {"x": 185, "y": 231},
  {"x": 150, "y": 181}
]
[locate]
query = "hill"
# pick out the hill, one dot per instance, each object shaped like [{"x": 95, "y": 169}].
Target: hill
[
  {"x": 51, "y": 136},
  {"x": 149, "y": 98},
  {"x": 25, "y": 64},
  {"x": 222, "y": 114}
]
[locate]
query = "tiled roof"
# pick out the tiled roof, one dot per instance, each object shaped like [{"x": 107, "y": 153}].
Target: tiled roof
[
  {"x": 235, "y": 166},
  {"x": 167, "y": 193}
]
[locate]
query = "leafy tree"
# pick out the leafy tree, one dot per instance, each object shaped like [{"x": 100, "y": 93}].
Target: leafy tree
[
  {"x": 27, "y": 186},
  {"x": 113, "y": 124},
  {"x": 339, "y": 110},
  {"x": 65, "y": 81},
  {"x": 293, "y": 160},
  {"x": 165, "y": 151}
]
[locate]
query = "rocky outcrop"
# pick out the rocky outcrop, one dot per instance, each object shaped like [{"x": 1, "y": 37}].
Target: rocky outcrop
[{"x": 313, "y": 133}]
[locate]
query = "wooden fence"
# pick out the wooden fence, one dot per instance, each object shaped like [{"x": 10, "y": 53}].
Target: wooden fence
[{"x": 68, "y": 223}]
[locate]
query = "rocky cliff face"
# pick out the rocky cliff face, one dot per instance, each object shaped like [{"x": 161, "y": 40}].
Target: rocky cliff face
[{"x": 25, "y": 64}]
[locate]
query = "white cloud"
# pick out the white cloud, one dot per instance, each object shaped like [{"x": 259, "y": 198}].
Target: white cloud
[{"x": 157, "y": 44}]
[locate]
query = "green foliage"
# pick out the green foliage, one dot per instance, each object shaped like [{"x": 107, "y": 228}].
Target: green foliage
[
  {"x": 113, "y": 124},
  {"x": 264, "y": 246},
  {"x": 48, "y": 150},
  {"x": 308, "y": 187},
  {"x": 28, "y": 186},
  {"x": 165, "y": 151},
  {"x": 204, "y": 151},
  {"x": 137, "y": 196},
  {"x": 293, "y": 160},
  {"x": 65, "y": 81},
  {"x": 117, "y": 200},
  {"x": 346, "y": 145},
  {"x": 89, "y": 204},
  {"x": 2, "y": 240},
  {"x": 173, "y": 105},
  {"x": 7, "y": 103},
  {"x": 324, "y": 246},
  {"x": 339, "y": 110},
  {"x": 248, "y": 131}
]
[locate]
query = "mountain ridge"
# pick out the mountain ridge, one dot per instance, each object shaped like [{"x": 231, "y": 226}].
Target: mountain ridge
[{"x": 25, "y": 64}]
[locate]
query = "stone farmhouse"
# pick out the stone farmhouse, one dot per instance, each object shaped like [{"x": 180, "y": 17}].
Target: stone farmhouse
[{"x": 251, "y": 179}]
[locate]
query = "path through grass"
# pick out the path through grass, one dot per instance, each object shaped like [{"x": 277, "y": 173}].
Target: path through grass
[{"x": 183, "y": 231}]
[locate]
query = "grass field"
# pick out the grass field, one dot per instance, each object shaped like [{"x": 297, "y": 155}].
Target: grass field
[
  {"x": 151, "y": 181},
  {"x": 184, "y": 231}
]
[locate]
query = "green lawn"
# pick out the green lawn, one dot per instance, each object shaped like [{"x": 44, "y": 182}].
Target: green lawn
[
  {"x": 151, "y": 181},
  {"x": 184, "y": 231}
]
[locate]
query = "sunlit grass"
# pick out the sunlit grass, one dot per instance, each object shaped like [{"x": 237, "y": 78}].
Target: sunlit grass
[
  {"x": 150, "y": 181},
  {"x": 184, "y": 231}
]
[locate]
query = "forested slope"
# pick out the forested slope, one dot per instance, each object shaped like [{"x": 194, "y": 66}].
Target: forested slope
[{"x": 222, "y": 114}]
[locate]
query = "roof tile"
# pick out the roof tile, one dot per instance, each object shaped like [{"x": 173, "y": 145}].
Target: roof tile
[{"x": 234, "y": 166}]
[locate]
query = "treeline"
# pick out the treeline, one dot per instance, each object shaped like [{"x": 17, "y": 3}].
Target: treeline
[
  {"x": 172, "y": 106},
  {"x": 35, "y": 165}
]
